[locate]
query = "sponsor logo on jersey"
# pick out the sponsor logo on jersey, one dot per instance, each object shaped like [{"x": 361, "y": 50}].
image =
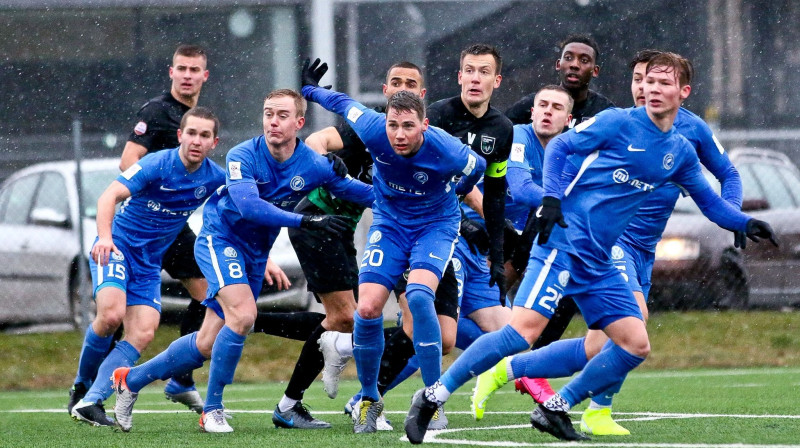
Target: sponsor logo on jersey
[
  {"x": 517, "y": 153},
  {"x": 456, "y": 264},
  {"x": 235, "y": 170},
  {"x": 354, "y": 114},
  {"x": 200, "y": 192},
  {"x": 297, "y": 183},
  {"x": 130, "y": 172},
  {"x": 585, "y": 124},
  {"x": 153, "y": 205},
  {"x": 620, "y": 176},
  {"x": 375, "y": 237},
  {"x": 229, "y": 252},
  {"x": 487, "y": 144},
  {"x": 117, "y": 256},
  {"x": 632, "y": 149},
  {"x": 421, "y": 177},
  {"x": 140, "y": 128},
  {"x": 617, "y": 253},
  {"x": 668, "y": 162},
  {"x": 563, "y": 278}
]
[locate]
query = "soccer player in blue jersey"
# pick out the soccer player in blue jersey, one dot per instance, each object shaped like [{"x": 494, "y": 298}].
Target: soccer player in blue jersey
[
  {"x": 415, "y": 224},
  {"x": 266, "y": 177},
  {"x": 623, "y": 155},
  {"x": 162, "y": 190}
]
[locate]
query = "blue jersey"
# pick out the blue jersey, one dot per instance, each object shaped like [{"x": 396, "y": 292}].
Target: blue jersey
[
  {"x": 626, "y": 158},
  {"x": 163, "y": 196},
  {"x": 281, "y": 184},
  {"x": 413, "y": 190},
  {"x": 524, "y": 174},
  {"x": 645, "y": 230}
]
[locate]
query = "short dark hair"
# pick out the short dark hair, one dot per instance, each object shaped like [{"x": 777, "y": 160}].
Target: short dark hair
[
  {"x": 190, "y": 51},
  {"x": 201, "y": 112},
  {"x": 673, "y": 61},
  {"x": 481, "y": 49},
  {"x": 408, "y": 65},
  {"x": 405, "y": 101},
  {"x": 580, "y": 39},
  {"x": 299, "y": 102},
  {"x": 643, "y": 56},
  {"x": 557, "y": 88}
]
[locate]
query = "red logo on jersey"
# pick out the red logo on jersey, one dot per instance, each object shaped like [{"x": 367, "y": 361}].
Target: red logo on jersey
[{"x": 141, "y": 128}]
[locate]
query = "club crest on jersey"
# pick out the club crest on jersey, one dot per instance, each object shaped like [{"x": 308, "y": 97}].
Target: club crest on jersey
[
  {"x": 617, "y": 253},
  {"x": 140, "y": 128},
  {"x": 297, "y": 183},
  {"x": 668, "y": 162},
  {"x": 421, "y": 177},
  {"x": 487, "y": 144},
  {"x": 117, "y": 256},
  {"x": 620, "y": 176},
  {"x": 375, "y": 237},
  {"x": 200, "y": 192},
  {"x": 230, "y": 252},
  {"x": 456, "y": 264},
  {"x": 563, "y": 278},
  {"x": 153, "y": 205}
]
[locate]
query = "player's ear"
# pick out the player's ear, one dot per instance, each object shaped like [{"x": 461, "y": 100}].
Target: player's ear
[
  {"x": 180, "y": 134},
  {"x": 301, "y": 121},
  {"x": 497, "y": 80},
  {"x": 685, "y": 91},
  {"x": 422, "y": 92},
  {"x": 596, "y": 71},
  {"x": 568, "y": 120},
  {"x": 425, "y": 124}
]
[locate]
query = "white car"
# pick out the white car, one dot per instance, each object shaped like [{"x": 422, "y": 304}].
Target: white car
[{"x": 39, "y": 245}]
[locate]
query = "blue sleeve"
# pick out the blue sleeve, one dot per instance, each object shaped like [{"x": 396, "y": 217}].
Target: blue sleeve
[
  {"x": 555, "y": 157},
  {"x": 254, "y": 209},
  {"x": 713, "y": 207},
  {"x": 523, "y": 189},
  {"x": 369, "y": 125},
  {"x": 712, "y": 156},
  {"x": 137, "y": 177},
  {"x": 352, "y": 190}
]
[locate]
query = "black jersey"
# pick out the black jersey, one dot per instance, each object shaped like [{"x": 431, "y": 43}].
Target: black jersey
[
  {"x": 520, "y": 112},
  {"x": 158, "y": 122}
]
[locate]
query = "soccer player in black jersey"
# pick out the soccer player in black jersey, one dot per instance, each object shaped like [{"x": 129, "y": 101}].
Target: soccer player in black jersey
[{"x": 576, "y": 67}]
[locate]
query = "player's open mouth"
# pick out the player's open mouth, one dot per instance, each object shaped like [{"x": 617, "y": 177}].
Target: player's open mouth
[
  {"x": 547, "y": 122},
  {"x": 573, "y": 77}
]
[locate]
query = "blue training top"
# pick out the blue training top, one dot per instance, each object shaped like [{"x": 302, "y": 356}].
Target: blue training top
[
  {"x": 414, "y": 190},
  {"x": 163, "y": 196},
  {"x": 626, "y": 158}
]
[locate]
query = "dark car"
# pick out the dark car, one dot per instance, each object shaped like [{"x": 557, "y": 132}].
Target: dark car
[{"x": 697, "y": 266}]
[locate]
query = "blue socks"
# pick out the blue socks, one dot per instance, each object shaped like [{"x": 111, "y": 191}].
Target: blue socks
[
  {"x": 555, "y": 360},
  {"x": 224, "y": 358},
  {"x": 368, "y": 346},
  {"x": 123, "y": 355},
  {"x": 604, "y": 398},
  {"x": 482, "y": 355},
  {"x": 427, "y": 334},
  {"x": 609, "y": 367},
  {"x": 468, "y": 332},
  {"x": 181, "y": 356},
  {"x": 93, "y": 352}
]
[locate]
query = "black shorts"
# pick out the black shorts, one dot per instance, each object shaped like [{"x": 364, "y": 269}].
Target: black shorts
[
  {"x": 179, "y": 259},
  {"x": 446, "y": 300},
  {"x": 329, "y": 264}
]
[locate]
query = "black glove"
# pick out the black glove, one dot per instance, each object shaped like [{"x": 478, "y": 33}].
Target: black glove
[
  {"x": 756, "y": 230},
  {"x": 333, "y": 224},
  {"x": 311, "y": 75},
  {"x": 548, "y": 215},
  {"x": 497, "y": 275},
  {"x": 739, "y": 240},
  {"x": 475, "y": 234},
  {"x": 338, "y": 164}
]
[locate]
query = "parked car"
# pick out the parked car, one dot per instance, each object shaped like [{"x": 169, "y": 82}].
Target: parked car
[
  {"x": 697, "y": 266},
  {"x": 39, "y": 245}
]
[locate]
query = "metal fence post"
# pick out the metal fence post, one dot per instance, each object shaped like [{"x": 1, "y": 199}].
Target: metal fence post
[{"x": 82, "y": 261}]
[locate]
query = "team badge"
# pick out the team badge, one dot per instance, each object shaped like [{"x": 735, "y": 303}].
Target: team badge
[
  {"x": 230, "y": 252},
  {"x": 117, "y": 256},
  {"x": 456, "y": 264},
  {"x": 421, "y": 177},
  {"x": 297, "y": 183},
  {"x": 669, "y": 161},
  {"x": 375, "y": 237},
  {"x": 487, "y": 144},
  {"x": 200, "y": 192},
  {"x": 617, "y": 253},
  {"x": 153, "y": 205},
  {"x": 140, "y": 128},
  {"x": 620, "y": 176},
  {"x": 563, "y": 278}
]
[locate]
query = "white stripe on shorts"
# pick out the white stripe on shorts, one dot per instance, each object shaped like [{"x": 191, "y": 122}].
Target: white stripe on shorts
[
  {"x": 215, "y": 263},
  {"x": 548, "y": 262}
]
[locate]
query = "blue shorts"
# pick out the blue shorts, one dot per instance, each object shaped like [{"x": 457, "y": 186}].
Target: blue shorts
[
  {"x": 391, "y": 248},
  {"x": 141, "y": 283},
  {"x": 635, "y": 265},
  {"x": 224, "y": 262},
  {"x": 599, "y": 291},
  {"x": 472, "y": 274}
]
